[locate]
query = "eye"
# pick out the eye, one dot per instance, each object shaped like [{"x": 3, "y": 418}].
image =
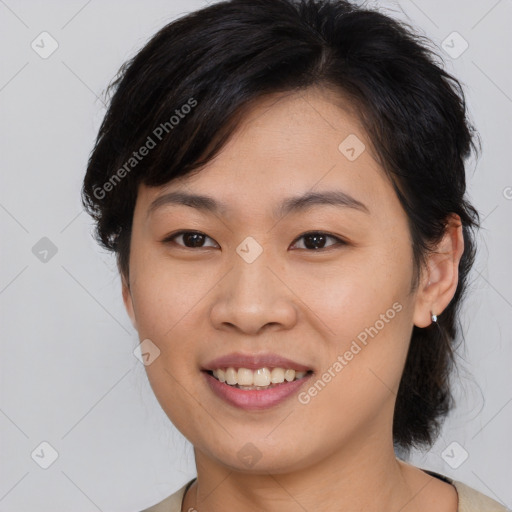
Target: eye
[
  {"x": 315, "y": 240},
  {"x": 190, "y": 239}
]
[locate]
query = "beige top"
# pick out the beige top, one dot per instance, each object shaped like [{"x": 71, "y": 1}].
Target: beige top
[{"x": 470, "y": 500}]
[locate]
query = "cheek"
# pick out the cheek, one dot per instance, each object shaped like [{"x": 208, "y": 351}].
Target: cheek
[
  {"x": 351, "y": 293},
  {"x": 365, "y": 312},
  {"x": 165, "y": 296},
  {"x": 167, "y": 305},
  {"x": 361, "y": 374}
]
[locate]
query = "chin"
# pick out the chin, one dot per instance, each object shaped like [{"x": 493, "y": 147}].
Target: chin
[{"x": 253, "y": 458}]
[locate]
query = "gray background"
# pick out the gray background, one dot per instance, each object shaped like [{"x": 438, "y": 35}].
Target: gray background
[{"x": 68, "y": 373}]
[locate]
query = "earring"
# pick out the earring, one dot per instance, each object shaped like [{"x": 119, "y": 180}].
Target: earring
[{"x": 434, "y": 318}]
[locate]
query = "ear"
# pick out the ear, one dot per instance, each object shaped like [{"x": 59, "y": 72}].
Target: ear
[
  {"x": 128, "y": 301},
  {"x": 439, "y": 282}
]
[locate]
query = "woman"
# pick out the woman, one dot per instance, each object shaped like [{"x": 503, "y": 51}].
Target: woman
[{"x": 283, "y": 182}]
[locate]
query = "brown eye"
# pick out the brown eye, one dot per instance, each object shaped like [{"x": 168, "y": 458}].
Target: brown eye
[
  {"x": 315, "y": 240},
  {"x": 190, "y": 239}
]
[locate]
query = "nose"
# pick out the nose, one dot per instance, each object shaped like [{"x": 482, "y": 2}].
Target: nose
[{"x": 253, "y": 297}]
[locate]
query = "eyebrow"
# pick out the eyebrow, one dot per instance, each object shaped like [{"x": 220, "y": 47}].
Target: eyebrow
[{"x": 292, "y": 204}]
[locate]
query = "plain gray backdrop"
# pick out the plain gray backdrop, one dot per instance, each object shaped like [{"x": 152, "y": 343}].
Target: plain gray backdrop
[{"x": 69, "y": 377}]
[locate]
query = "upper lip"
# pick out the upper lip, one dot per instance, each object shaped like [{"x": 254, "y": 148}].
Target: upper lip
[{"x": 253, "y": 362}]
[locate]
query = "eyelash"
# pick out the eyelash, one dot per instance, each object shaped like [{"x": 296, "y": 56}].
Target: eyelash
[{"x": 339, "y": 241}]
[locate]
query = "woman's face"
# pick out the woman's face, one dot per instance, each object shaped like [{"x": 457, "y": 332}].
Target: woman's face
[{"x": 254, "y": 285}]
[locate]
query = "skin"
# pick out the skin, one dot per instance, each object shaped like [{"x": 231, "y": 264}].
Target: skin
[{"x": 197, "y": 304}]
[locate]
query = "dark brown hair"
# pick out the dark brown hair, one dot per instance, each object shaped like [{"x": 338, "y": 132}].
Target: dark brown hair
[{"x": 189, "y": 86}]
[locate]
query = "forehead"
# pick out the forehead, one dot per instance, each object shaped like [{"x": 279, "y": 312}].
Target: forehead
[{"x": 288, "y": 144}]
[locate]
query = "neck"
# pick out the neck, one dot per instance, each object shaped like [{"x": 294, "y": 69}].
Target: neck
[{"x": 360, "y": 478}]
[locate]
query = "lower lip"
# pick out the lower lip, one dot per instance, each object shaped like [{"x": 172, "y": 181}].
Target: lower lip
[{"x": 254, "y": 399}]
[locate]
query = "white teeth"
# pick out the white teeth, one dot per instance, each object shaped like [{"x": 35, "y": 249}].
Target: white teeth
[
  {"x": 289, "y": 375},
  {"x": 244, "y": 377},
  {"x": 277, "y": 375},
  {"x": 231, "y": 376},
  {"x": 260, "y": 378}
]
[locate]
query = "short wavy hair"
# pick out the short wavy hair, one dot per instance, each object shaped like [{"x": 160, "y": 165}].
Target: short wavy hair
[{"x": 188, "y": 88}]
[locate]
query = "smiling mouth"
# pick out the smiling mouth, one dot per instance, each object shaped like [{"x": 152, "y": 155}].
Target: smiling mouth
[{"x": 261, "y": 379}]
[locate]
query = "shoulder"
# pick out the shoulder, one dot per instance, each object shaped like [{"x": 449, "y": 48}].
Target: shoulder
[
  {"x": 471, "y": 500},
  {"x": 172, "y": 503}
]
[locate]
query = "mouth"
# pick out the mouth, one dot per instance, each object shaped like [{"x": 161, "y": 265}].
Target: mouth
[
  {"x": 254, "y": 391},
  {"x": 255, "y": 381},
  {"x": 260, "y": 379}
]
